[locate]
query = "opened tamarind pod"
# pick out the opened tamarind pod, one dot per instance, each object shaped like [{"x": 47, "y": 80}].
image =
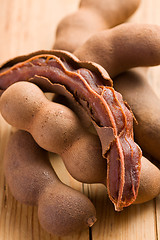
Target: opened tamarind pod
[
  {"x": 136, "y": 90},
  {"x": 91, "y": 16},
  {"x": 123, "y": 47},
  {"x": 32, "y": 180},
  {"x": 91, "y": 86}
]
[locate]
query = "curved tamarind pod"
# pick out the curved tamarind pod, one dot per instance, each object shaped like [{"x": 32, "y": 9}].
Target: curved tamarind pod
[
  {"x": 32, "y": 180},
  {"x": 123, "y": 47},
  {"x": 145, "y": 105},
  {"x": 92, "y": 16},
  {"x": 57, "y": 129},
  {"x": 112, "y": 119}
]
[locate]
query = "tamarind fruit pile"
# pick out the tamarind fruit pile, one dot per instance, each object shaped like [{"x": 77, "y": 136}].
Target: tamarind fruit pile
[
  {"x": 111, "y": 156},
  {"x": 85, "y": 85}
]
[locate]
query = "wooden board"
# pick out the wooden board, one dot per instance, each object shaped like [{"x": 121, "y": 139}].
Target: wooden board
[{"x": 29, "y": 25}]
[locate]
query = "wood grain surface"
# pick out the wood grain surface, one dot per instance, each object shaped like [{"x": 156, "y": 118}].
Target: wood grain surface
[{"x": 29, "y": 25}]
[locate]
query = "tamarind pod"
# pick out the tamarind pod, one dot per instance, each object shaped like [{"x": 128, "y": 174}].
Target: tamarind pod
[
  {"x": 144, "y": 103},
  {"x": 123, "y": 47},
  {"x": 112, "y": 119},
  {"x": 32, "y": 180},
  {"x": 57, "y": 129},
  {"x": 92, "y": 16}
]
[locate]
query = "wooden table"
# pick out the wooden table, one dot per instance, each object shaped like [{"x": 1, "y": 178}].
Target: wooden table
[{"x": 29, "y": 25}]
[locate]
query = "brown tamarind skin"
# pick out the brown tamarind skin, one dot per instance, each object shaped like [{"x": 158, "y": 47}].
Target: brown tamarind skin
[
  {"x": 92, "y": 16},
  {"x": 123, "y": 47},
  {"x": 145, "y": 105},
  {"x": 32, "y": 180}
]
